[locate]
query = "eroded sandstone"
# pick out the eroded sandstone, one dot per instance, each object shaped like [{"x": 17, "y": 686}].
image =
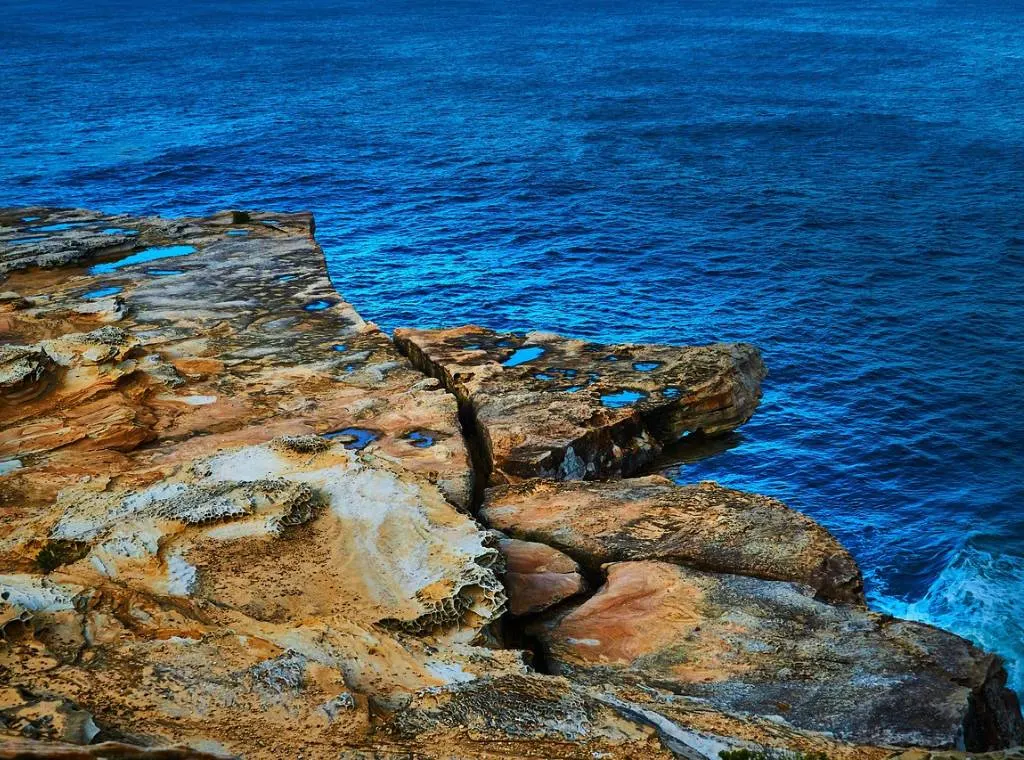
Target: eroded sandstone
[
  {"x": 191, "y": 334},
  {"x": 552, "y": 407},
  {"x": 215, "y": 472},
  {"x": 703, "y": 526}
]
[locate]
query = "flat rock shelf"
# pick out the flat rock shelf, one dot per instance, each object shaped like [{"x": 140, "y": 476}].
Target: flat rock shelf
[{"x": 238, "y": 520}]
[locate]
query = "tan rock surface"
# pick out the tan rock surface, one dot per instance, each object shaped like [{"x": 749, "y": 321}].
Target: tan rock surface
[
  {"x": 768, "y": 648},
  {"x": 547, "y": 406},
  {"x": 200, "y": 489},
  {"x": 703, "y": 526}
]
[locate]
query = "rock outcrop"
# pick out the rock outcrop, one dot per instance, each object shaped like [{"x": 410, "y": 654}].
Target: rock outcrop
[
  {"x": 550, "y": 407},
  {"x": 769, "y": 648},
  {"x": 224, "y": 492},
  {"x": 703, "y": 526},
  {"x": 236, "y": 521}
]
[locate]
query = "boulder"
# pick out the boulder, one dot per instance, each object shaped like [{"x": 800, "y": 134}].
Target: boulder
[
  {"x": 537, "y": 576},
  {"x": 768, "y": 648},
  {"x": 546, "y": 406},
  {"x": 703, "y": 526}
]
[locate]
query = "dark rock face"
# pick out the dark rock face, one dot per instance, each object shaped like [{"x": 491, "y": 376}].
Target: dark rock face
[
  {"x": 546, "y": 406},
  {"x": 703, "y": 526},
  {"x": 769, "y": 648},
  {"x": 530, "y": 716}
]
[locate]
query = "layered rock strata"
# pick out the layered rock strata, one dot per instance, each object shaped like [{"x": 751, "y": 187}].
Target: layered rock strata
[
  {"x": 543, "y": 406},
  {"x": 225, "y": 496},
  {"x": 235, "y": 522}
]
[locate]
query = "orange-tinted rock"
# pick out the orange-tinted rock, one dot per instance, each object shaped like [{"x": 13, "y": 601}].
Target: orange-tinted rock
[
  {"x": 229, "y": 517},
  {"x": 159, "y": 672},
  {"x": 703, "y": 526},
  {"x": 546, "y": 406},
  {"x": 538, "y": 576},
  {"x": 770, "y": 649},
  {"x": 23, "y": 749}
]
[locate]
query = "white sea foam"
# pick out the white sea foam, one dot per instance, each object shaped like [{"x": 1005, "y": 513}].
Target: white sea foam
[{"x": 978, "y": 597}]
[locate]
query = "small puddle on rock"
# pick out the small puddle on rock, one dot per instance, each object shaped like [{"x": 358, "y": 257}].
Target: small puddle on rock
[
  {"x": 164, "y": 272},
  {"x": 574, "y": 388},
  {"x": 523, "y": 355},
  {"x": 646, "y": 366},
  {"x": 150, "y": 254},
  {"x": 31, "y": 218},
  {"x": 355, "y": 439},
  {"x": 671, "y": 393},
  {"x": 59, "y": 227},
  {"x": 421, "y": 439},
  {"x": 318, "y": 305},
  {"x": 287, "y": 277},
  {"x": 339, "y": 347},
  {"x": 622, "y": 398},
  {"x": 237, "y": 233},
  {"x": 544, "y": 376},
  {"x": 118, "y": 231},
  {"x": 24, "y": 240},
  {"x": 101, "y": 292}
]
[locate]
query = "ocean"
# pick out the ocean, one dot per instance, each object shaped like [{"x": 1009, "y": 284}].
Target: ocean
[{"x": 840, "y": 182}]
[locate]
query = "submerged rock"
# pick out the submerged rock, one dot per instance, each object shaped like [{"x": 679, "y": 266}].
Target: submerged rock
[
  {"x": 769, "y": 648},
  {"x": 703, "y": 526},
  {"x": 546, "y": 406}
]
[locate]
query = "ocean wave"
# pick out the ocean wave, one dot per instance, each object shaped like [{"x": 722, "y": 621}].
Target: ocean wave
[{"x": 977, "y": 596}]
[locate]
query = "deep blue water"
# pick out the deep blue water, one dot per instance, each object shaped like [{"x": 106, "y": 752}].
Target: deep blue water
[{"x": 838, "y": 181}]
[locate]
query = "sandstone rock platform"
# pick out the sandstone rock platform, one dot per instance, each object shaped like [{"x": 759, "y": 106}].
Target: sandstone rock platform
[
  {"x": 237, "y": 521},
  {"x": 769, "y": 648}
]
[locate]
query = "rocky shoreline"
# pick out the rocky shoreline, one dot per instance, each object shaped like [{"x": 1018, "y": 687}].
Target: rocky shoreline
[{"x": 239, "y": 520}]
